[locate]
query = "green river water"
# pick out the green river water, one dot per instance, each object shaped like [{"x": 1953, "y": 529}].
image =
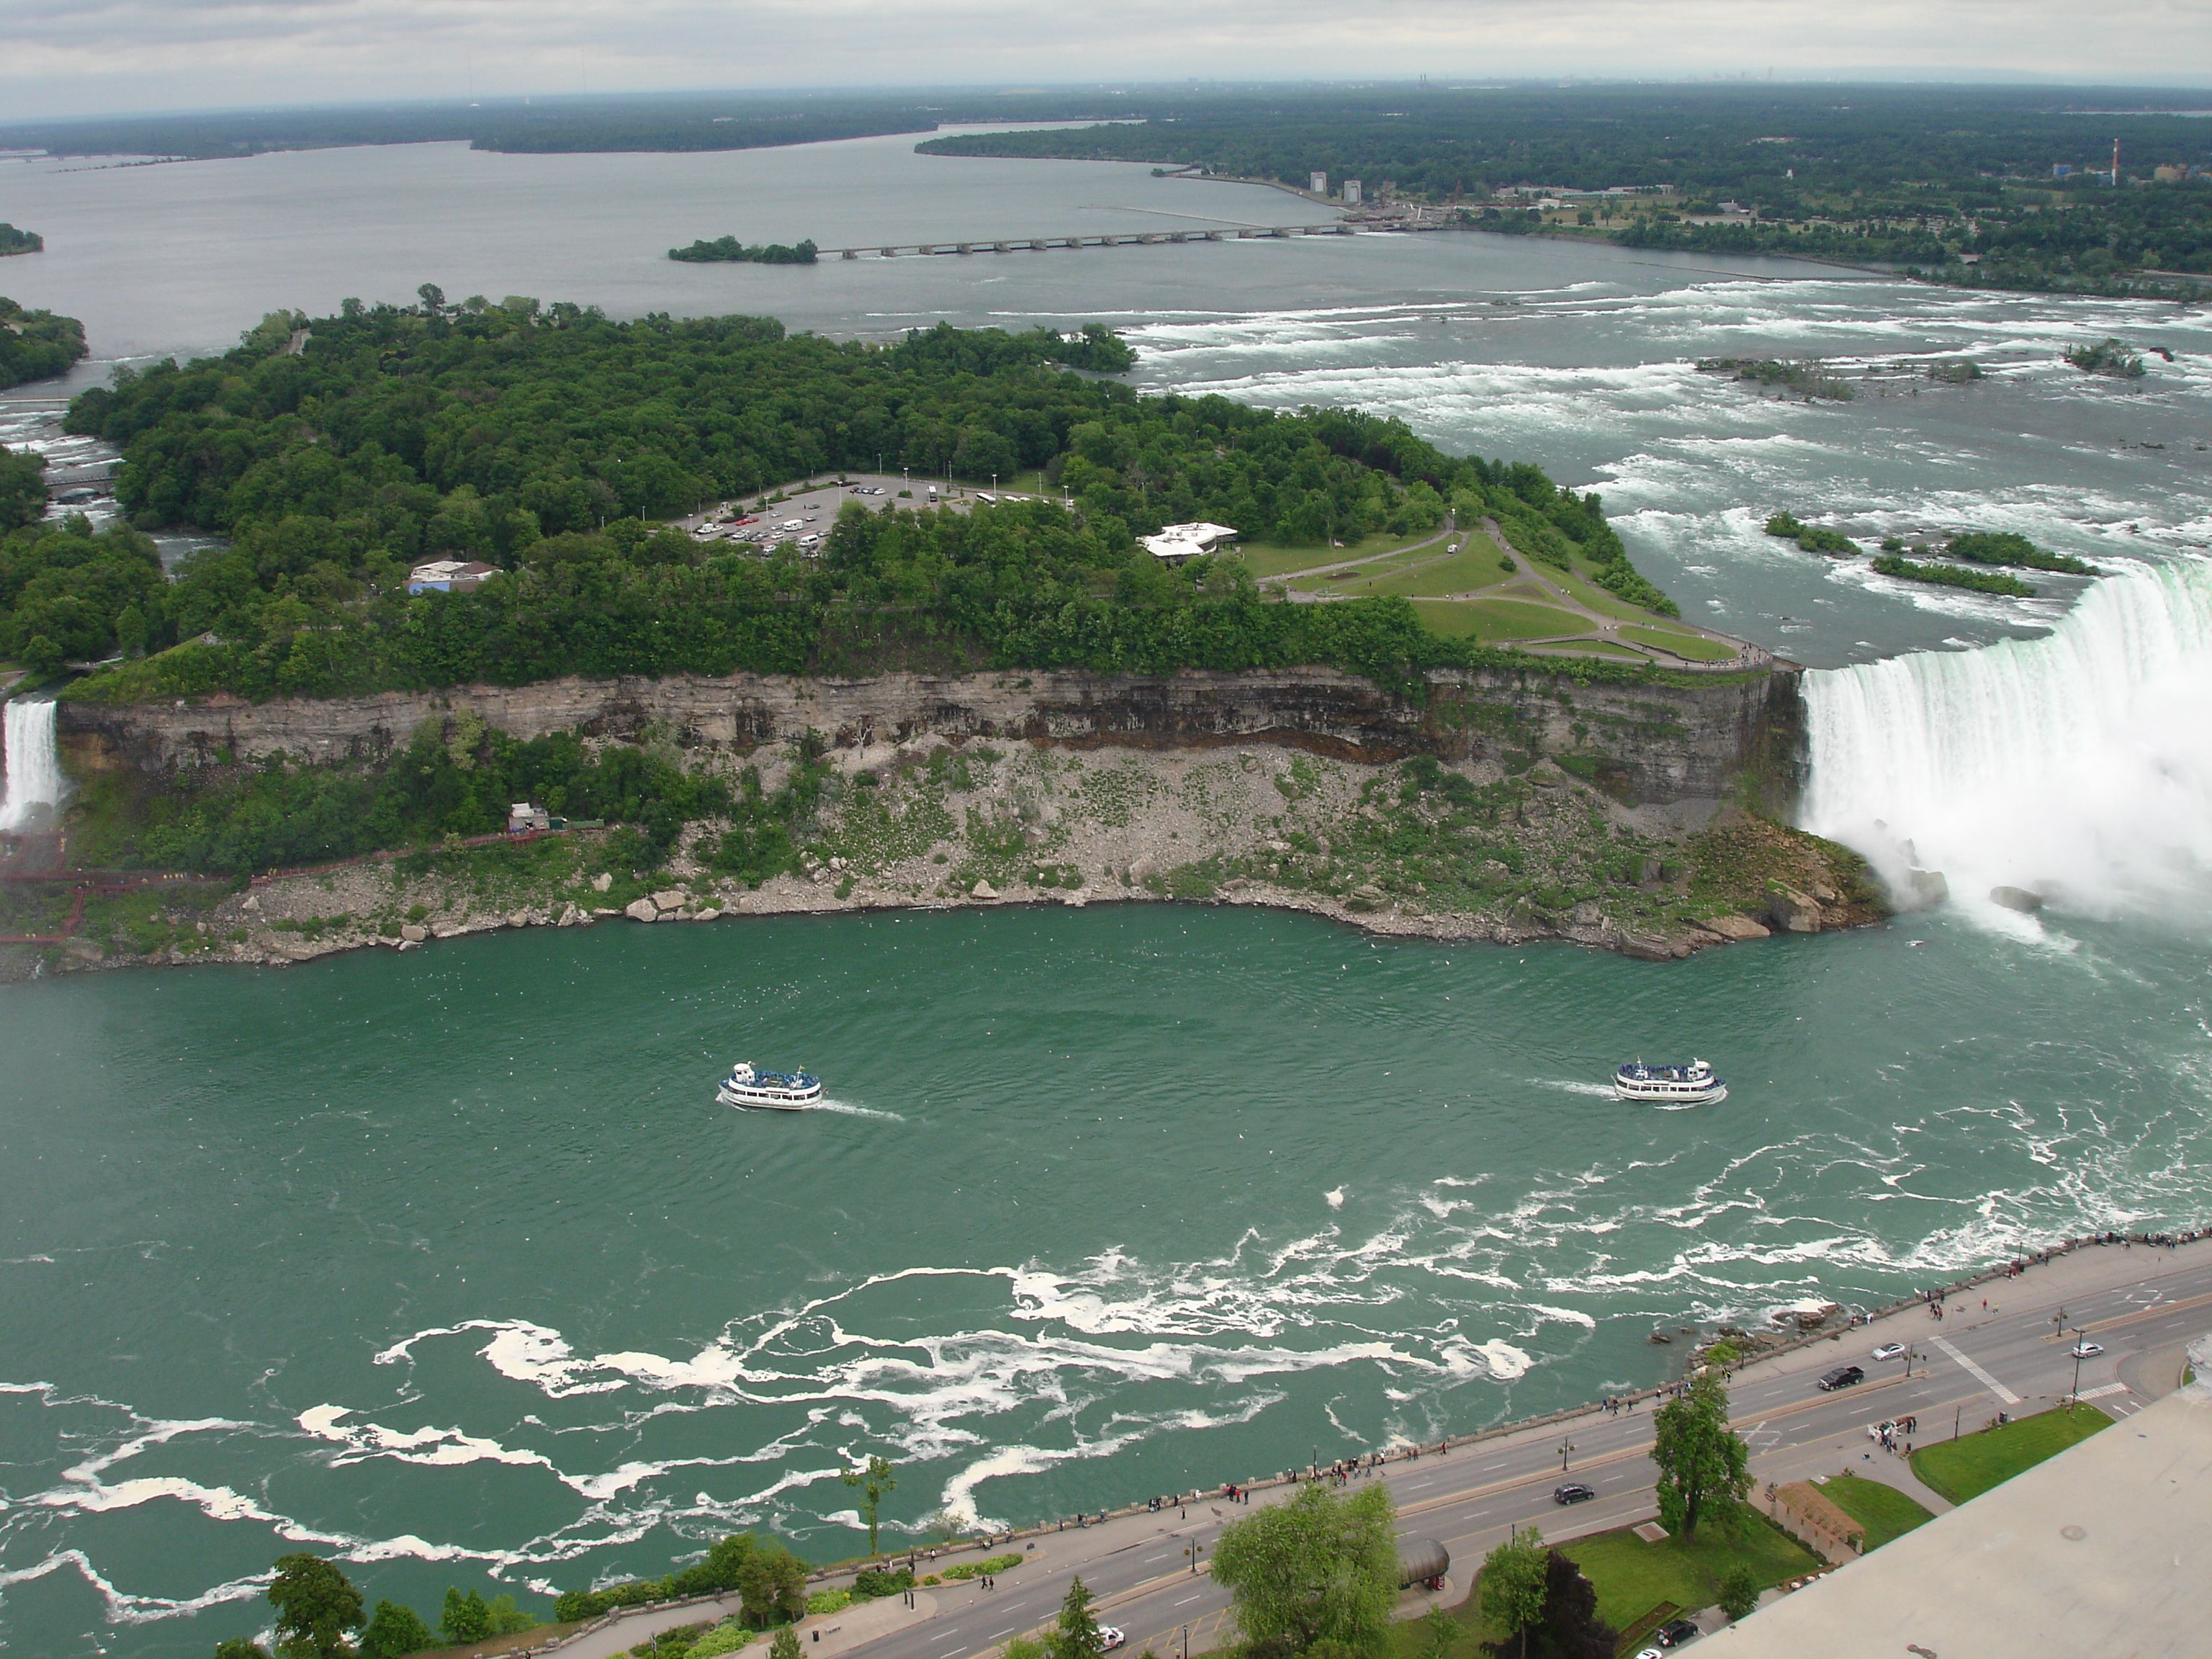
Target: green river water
[
  {"x": 446, "y": 1264},
  {"x": 446, "y": 1260}
]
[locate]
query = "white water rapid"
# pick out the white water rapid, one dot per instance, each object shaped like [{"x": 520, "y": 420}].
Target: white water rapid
[
  {"x": 34, "y": 765},
  {"x": 2077, "y": 766}
]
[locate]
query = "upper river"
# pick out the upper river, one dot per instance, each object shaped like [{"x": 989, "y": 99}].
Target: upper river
[{"x": 447, "y": 1263}]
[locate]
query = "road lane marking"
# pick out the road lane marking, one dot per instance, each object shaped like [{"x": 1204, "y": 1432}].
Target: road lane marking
[
  {"x": 1186, "y": 1600},
  {"x": 996, "y": 1634},
  {"x": 2155, "y": 1310},
  {"x": 1979, "y": 1376},
  {"x": 2098, "y": 1394}
]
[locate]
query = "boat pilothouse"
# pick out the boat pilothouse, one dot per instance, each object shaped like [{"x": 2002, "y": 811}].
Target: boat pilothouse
[
  {"x": 1691, "y": 1084},
  {"x": 774, "y": 1092}
]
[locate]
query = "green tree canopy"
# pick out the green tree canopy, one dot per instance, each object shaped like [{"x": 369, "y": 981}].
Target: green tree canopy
[
  {"x": 784, "y": 1644},
  {"x": 874, "y": 1482},
  {"x": 1703, "y": 1464},
  {"x": 394, "y": 1631},
  {"x": 1738, "y": 1591},
  {"x": 1317, "y": 1568},
  {"x": 772, "y": 1582},
  {"x": 317, "y": 1606},
  {"x": 466, "y": 1618},
  {"x": 1076, "y": 1636},
  {"x": 1569, "y": 1627},
  {"x": 36, "y": 345},
  {"x": 544, "y": 442},
  {"x": 22, "y": 488},
  {"x": 1512, "y": 1586}
]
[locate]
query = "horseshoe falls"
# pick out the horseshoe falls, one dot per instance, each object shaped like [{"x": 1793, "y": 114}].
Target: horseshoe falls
[{"x": 2076, "y": 766}]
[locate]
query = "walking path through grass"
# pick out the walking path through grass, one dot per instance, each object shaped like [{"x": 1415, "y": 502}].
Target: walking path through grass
[{"x": 1475, "y": 584}]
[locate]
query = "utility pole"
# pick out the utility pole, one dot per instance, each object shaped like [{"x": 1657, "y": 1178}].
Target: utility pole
[{"x": 2076, "y": 1397}]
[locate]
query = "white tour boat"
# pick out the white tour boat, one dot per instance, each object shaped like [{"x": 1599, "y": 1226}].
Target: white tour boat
[
  {"x": 774, "y": 1092},
  {"x": 1688, "y": 1085}
]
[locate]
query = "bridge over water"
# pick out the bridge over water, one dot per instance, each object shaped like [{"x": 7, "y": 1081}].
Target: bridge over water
[{"x": 1106, "y": 239}]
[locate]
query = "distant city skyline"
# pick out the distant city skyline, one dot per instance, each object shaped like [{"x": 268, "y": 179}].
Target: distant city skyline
[{"x": 125, "y": 57}]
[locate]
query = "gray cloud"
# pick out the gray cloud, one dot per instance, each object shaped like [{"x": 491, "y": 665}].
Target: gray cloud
[{"x": 103, "y": 55}]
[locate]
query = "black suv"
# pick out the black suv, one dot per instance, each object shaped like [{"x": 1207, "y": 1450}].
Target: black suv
[
  {"x": 1573, "y": 1493},
  {"x": 1842, "y": 1377},
  {"x": 1676, "y": 1631}
]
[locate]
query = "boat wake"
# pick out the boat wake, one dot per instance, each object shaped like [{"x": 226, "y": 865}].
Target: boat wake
[
  {"x": 1574, "y": 1087},
  {"x": 848, "y": 1109}
]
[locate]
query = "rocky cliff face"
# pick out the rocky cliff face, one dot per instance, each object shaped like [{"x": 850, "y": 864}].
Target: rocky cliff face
[{"x": 1645, "y": 744}]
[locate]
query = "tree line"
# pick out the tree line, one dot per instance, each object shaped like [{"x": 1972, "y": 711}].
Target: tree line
[
  {"x": 730, "y": 250},
  {"x": 545, "y": 441},
  {"x": 36, "y": 345}
]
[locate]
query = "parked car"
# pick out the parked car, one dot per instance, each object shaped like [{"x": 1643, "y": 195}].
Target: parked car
[
  {"x": 1651, "y": 1653},
  {"x": 1842, "y": 1377},
  {"x": 1111, "y": 1637},
  {"x": 1572, "y": 1492},
  {"x": 1675, "y": 1631},
  {"x": 2087, "y": 1350},
  {"x": 1890, "y": 1350}
]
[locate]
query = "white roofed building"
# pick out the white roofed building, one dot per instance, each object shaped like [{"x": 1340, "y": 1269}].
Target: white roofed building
[{"x": 1178, "y": 543}]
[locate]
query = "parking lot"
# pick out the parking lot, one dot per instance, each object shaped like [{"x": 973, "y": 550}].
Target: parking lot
[{"x": 808, "y": 509}]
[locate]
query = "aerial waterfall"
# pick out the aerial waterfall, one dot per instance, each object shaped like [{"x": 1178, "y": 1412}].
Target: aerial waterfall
[
  {"x": 33, "y": 764},
  {"x": 2077, "y": 766}
]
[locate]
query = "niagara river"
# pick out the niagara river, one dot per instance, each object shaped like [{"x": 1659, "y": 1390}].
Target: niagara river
[{"x": 445, "y": 1263}]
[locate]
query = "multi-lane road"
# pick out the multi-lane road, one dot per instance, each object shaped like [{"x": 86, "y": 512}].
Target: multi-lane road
[{"x": 1148, "y": 1569}]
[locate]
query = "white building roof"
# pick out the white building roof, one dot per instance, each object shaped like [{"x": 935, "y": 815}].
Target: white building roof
[
  {"x": 2103, "y": 1549},
  {"x": 1187, "y": 541}
]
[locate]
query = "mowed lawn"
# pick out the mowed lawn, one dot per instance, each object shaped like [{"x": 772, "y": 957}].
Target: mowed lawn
[
  {"x": 1269, "y": 559},
  {"x": 1497, "y": 619},
  {"x": 1695, "y": 647},
  {"x": 1884, "y": 1511},
  {"x": 1633, "y": 1576},
  {"x": 1969, "y": 1466}
]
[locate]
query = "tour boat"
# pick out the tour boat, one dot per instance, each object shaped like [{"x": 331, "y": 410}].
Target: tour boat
[
  {"x": 1691, "y": 1084},
  {"x": 774, "y": 1092}
]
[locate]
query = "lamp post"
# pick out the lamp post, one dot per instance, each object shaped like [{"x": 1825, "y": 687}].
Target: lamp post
[
  {"x": 2076, "y": 1397},
  {"x": 1565, "y": 1447}
]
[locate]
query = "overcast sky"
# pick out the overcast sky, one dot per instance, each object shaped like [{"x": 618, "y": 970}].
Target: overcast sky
[{"x": 100, "y": 57}]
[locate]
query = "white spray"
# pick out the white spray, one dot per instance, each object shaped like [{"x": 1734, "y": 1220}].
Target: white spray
[
  {"x": 34, "y": 765},
  {"x": 2077, "y": 766}
]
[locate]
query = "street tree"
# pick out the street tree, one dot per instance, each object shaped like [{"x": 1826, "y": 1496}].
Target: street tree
[
  {"x": 316, "y": 1606},
  {"x": 1569, "y": 1627},
  {"x": 1319, "y": 1568},
  {"x": 874, "y": 1483},
  {"x": 393, "y": 1632},
  {"x": 784, "y": 1644},
  {"x": 1512, "y": 1593},
  {"x": 465, "y": 1617},
  {"x": 1738, "y": 1591},
  {"x": 1076, "y": 1636},
  {"x": 1703, "y": 1464},
  {"x": 772, "y": 1582}
]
